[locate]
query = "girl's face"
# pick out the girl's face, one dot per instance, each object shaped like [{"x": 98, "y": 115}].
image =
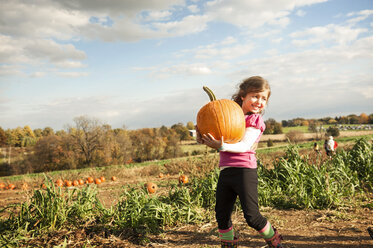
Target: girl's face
[{"x": 254, "y": 102}]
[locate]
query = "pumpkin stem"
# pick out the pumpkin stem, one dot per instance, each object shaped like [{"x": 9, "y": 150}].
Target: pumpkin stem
[{"x": 209, "y": 93}]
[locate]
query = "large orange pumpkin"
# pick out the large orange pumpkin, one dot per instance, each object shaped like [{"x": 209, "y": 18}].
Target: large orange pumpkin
[{"x": 221, "y": 118}]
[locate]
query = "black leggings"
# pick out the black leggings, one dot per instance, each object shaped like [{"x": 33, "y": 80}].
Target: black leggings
[{"x": 244, "y": 183}]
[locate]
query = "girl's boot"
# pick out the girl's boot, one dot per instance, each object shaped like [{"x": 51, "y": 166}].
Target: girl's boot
[
  {"x": 229, "y": 243},
  {"x": 275, "y": 241}
]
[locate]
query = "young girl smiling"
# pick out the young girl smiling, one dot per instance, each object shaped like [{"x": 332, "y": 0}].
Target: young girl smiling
[{"x": 238, "y": 165}]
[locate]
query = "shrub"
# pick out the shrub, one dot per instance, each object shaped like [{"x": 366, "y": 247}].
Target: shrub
[
  {"x": 295, "y": 136},
  {"x": 332, "y": 131}
]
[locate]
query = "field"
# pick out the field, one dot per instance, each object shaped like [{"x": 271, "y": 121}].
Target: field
[{"x": 337, "y": 224}]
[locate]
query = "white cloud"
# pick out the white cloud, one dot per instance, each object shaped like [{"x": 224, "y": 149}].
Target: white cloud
[
  {"x": 360, "y": 16},
  {"x": 315, "y": 81},
  {"x": 229, "y": 40},
  {"x": 336, "y": 34},
  {"x": 254, "y": 14},
  {"x": 193, "y": 8},
  {"x": 36, "y": 52},
  {"x": 10, "y": 70},
  {"x": 186, "y": 69},
  {"x": 42, "y": 19},
  {"x": 37, "y": 74},
  {"x": 72, "y": 74},
  {"x": 157, "y": 15},
  {"x": 300, "y": 13}
]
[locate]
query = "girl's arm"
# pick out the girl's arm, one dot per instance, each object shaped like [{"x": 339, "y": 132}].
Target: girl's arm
[
  {"x": 248, "y": 140},
  {"x": 251, "y": 135}
]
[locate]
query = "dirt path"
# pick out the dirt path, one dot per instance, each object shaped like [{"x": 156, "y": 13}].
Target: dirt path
[{"x": 300, "y": 228}]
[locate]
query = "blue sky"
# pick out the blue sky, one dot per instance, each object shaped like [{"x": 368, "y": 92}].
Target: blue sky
[{"x": 143, "y": 63}]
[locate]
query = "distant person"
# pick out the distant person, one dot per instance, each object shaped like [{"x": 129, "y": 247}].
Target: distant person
[
  {"x": 330, "y": 145},
  {"x": 238, "y": 168},
  {"x": 316, "y": 148}
]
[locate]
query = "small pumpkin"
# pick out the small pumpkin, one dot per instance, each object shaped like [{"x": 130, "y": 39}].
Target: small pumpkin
[
  {"x": 151, "y": 187},
  {"x": 221, "y": 118},
  {"x": 97, "y": 181},
  {"x": 113, "y": 178},
  {"x": 102, "y": 179},
  {"x": 59, "y": 182},
  {"x": 80, "y": 181},
  {"x": 11, "y": 186},
  {"x": 183, "y": 179},
  {"x": 90, "y": 179},
  {"x": 161, "y": 175},
  {"x": 43, "y": 186},
  {"x": 68, "y": 183},
  {"x": 76, "y": 183},
  {"x": 2, "y": 185}
]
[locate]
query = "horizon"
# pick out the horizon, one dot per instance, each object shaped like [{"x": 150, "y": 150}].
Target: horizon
[
  {"x": 143, "y": 64},
  {"x": 100, "y": 123}
]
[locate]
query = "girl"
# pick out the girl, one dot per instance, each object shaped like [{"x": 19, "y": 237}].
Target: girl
[{"x": 238, "y": 175}]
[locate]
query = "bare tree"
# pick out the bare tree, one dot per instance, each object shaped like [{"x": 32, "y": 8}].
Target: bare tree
[{"x": 86, "y": 135}]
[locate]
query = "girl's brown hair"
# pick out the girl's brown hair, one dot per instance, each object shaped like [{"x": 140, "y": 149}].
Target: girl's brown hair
[{"x": 251, "y": 85}]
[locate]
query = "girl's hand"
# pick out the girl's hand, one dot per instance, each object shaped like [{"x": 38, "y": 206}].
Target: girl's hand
[
  {"x": 199, "y": 136},
  {"x": 210, "y": 141}
]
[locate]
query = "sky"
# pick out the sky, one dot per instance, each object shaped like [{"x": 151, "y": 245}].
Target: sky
[{"x": 142, "y": 64}]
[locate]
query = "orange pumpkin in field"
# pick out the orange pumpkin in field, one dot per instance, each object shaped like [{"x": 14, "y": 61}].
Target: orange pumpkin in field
[
  {"x": 68, "y": 183},
  {"x": 102, "y": 179},
  {"x": 75, "y": 183},
  {"x": 2, "y": 185},
  {"x": 113, "y": 178},
  {"x": 151, "y": 187},
  {"x": 59, "y": 182},
  {"x": 221, "y": 118},
  {"x": 97, "y": 181},
  {"x": 90, "y": 179},
  {"x": 11, "y": 186},
  {"x": 81, "y": 182},
  {"x": 183, "y": 179}
]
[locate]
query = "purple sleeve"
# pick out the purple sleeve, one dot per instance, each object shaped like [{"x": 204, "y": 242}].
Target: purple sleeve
[{"x": 256, "y": 121}]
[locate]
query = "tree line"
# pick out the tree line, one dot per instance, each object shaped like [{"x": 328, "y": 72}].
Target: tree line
[
  {"x": 274, "y": 127},
  {"x": 87, "y": 143}
]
